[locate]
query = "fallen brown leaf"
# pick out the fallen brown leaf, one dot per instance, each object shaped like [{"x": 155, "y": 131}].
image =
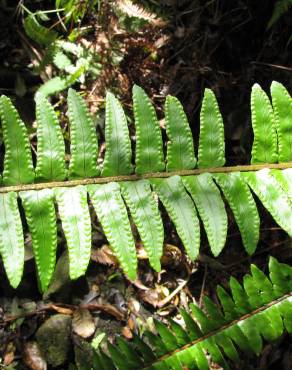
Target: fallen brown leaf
[
  {"x": 107, "y": 308},
  {"x": 171, "y": 255},
  {"x": 153, "y": 296},
  {"x": 104, "y": 255},
  {"x": 127, "y": 333}
]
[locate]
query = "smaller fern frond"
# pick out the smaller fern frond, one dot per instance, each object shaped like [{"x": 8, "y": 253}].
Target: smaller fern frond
[
  {"x": 38, "y": 33},
  {"x": 133, "y": 10},
  {"x": 55, "y": 85},
  {"x": 62, "y": 61},
  {"x": 251, "y": 313}
]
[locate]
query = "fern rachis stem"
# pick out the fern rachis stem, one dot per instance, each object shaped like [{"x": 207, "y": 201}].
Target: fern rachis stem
[{"x": 135, "y": 177}]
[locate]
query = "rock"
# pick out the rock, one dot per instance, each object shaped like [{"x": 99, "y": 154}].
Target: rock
[
  {"x": 53, "y": 338},
  {"x": 83, "y": 323},
  {"x": 83, "y": 354}
]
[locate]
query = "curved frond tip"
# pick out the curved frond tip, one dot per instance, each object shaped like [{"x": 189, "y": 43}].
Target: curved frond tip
[
  {"x": 117, "y": 160},
  {"x": 84, "y": 146},
  {"x": 149, "y": 153}
]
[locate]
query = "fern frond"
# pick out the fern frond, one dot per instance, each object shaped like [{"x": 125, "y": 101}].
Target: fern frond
[
  {"x": 55, "y": 85},
  {"x": 61, "y": 61},
  {"x": 38, "y": 33},
  {"x": 182, "y": 190},
  {"x": 259, "y": 310},
  {"x": 134, "y": 10}
]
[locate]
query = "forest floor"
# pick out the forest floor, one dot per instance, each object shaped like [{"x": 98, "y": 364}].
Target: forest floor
[{"x": 222, "y": 45}]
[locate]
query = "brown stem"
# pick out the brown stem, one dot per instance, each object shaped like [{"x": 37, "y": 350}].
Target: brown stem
[
  {"x": 67, "y": 310},
  {"x": 134, "y": 177}
]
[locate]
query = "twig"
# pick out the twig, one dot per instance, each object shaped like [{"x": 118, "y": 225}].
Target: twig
[
  {"x": 273, "y": 65},
  {"x": 68, "y": 310},
  {"x": 203, "y": 286},
  {"x": 167, "y": 299}
]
